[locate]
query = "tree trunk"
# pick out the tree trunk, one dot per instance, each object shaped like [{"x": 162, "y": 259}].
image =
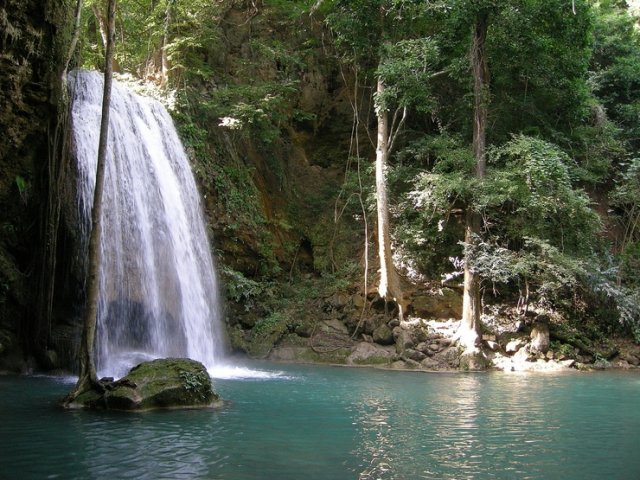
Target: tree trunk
[
  {"x": 389, "y": 286},
  {"x": 164, "y": 60},
  {"x": 471, "y": 306},
  {"x": 103, "y": 27},
  {"x": 74, "y": 40},
  {"x": 87, "y": 376}
]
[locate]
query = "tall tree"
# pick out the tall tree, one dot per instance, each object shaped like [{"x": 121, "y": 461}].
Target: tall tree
[
  {"x": 391, "y": 38},
  {"x": 87, "y": 378},
  {"x": 389, "y": 286},
  {"x": 471, "y": 303}
]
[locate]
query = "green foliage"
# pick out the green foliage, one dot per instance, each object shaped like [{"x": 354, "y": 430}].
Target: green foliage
[
  {"x": 433, "y": 181},
  {"x": 615, "y": 67},
  {"x": 539, "y": 54},
  {"x": 269, "y": 325},
  {"x": 245, "y": 291},
  {"x": 257, "y": 110},
  {"x": 625, "y": 198},
  {"x": 540, "y": 229},
  {"x": 529, "y": 191},
  {"x": 194, "y": 381},
  {"x": 23, "y": 188},
  {"x": 406, "y": 69},
  {"x": 562, "y": 349},
  {"x": 559, "y": 83},
  {"x": 188, "y": 30},
  {"x": 551, "y": 275}
]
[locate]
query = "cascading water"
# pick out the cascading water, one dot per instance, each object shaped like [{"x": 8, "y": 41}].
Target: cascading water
[{"x": 158, "y": 292}]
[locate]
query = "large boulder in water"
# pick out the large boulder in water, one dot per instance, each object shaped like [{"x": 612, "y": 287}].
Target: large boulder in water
[{"x": 158, "y": 384}]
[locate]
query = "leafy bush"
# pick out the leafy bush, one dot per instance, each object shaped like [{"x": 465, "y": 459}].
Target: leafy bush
[
  {"x": 274, "y": 323},
  {"x": 245, "y": 291},
  {"x": 529, "y": 193}
]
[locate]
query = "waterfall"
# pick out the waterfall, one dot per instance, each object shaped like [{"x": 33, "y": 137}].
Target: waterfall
[{"x": 158, "y": 289}]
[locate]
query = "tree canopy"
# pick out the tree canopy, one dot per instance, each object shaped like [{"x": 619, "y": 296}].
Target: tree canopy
[{"x": 559, "y": 201}]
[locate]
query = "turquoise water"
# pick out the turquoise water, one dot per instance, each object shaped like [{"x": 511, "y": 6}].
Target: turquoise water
[{"x": 336, "y": 423}]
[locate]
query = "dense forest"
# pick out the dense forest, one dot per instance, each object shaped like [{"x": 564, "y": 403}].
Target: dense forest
[{"x": 403, "y": 174}]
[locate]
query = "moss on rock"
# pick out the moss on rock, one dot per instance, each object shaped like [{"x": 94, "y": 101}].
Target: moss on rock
[{"x": 158, "y": 384}]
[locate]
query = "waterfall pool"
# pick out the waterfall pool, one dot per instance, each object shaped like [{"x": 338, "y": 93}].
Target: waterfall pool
[{"x": 313, "y": 422}]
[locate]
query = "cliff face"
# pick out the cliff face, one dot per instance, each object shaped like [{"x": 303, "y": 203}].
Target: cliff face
[
  {"x": 32, "y": 37},
  {"x": 270, "y": 196}
]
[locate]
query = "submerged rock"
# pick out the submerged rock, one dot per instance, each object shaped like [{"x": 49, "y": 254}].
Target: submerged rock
[{"x": 158, "y": 384}]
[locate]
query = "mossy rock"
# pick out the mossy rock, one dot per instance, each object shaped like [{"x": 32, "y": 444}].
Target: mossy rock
[{"x": 166, "y": 383}]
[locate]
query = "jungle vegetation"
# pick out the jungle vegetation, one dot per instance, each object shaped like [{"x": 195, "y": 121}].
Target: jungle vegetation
[{"x": 494, "y": 145}]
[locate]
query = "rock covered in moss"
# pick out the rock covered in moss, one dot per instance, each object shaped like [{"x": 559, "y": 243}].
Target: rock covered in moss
[{"x": 158, "y": 384}]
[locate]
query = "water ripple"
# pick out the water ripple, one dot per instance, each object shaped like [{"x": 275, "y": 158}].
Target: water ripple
[{"x": 339, "y": 424}]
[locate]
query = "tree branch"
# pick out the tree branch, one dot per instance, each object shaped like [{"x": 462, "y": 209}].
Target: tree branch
[{"x": 395, "y": 129}]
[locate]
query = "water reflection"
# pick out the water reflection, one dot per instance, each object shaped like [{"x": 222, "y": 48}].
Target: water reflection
[
  {"x": 151, "y": 445},
  {"x": 433, "y": 428},
  {"x": 340, "y": 424},
  {"x": 376, "y": 443},
  {"x": 453, "y": 426}
]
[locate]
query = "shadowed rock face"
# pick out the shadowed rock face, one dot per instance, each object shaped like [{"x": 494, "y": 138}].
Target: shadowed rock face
[
  {"x": 165, "y": 383},
  {"x": 30, "y": 54}
]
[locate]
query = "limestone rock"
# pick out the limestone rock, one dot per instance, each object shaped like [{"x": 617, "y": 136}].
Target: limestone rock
[
  {"x": 415, "y": 355},
  {"x": 305, "y": 329},
  {"x": 158, "y": 384},
  {"x": 358, "y": 301},
  {"x": 523, "y": 355},
  {"x": 403, "y": 339},
  {"x": 514, "y": 345},
  {"x": 370, "y": 354},
  {"x": 447, "y": 305},
  {"x": 621, "y": 364},
  {"x": 474, "y": 361},
  {"x": 601, "y": 364},
  {"x": 540, "y": 337},
  {"x": 337, "y": 301},
  {"x": 631, "y": 359},
  {"x": 430, "y": 364},
  {"x": 334, "y": 325},
  {"x": 449, "y": 357},
  {"x": 383, "y": 335}
]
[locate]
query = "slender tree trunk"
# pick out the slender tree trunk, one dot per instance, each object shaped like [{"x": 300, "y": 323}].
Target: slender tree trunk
[
  {"x": 74, "y": 40},
  {"x": 471, "y": 306},
  {"x": 102, "y": 24},
  {"x": 103, "y": 27},
  {"x": 87, "y": 376},
  {"x": 389, "y": 286},
  {"x": 164, "y": 60}
]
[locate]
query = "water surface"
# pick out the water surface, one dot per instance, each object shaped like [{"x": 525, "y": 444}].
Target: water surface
[{"x": 334, "y": 423}]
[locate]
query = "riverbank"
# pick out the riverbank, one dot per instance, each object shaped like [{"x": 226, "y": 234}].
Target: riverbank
[{"x": 540, "y": 345}]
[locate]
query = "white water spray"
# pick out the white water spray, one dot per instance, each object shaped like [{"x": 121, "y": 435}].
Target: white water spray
[{"x": 158, "y": 290}]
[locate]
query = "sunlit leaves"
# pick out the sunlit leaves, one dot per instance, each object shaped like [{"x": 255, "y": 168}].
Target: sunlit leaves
[
  {"x": 406, "y": 69},
  {"x": 530, "y": 183}
]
